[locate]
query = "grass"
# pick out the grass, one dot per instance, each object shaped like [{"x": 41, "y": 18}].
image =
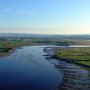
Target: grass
[
  {"x": 13, "y": 42},
  {"x": 8, "y": 45},
  {"x": 81, "y": 55}
]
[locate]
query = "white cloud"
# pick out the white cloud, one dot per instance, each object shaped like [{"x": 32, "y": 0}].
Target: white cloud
[
  {"x": 29, "y": 13},
  {"x": 23, "y": 12},
  {"x": 7, "y": 10},
  {"x": 20, "y": 12}
]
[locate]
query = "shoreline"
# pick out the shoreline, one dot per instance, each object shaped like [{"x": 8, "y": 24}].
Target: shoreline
[
  {"x": 14, "y": 48},
  {"x": 53, "y": 56},
  {"x": 8, "y": 53},
  {"x": 71, "y": 72},
  {"x": 71, "y": 61},
  {"x": 72, "y": 78}
]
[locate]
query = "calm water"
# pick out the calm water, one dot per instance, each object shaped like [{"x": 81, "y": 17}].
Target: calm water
[
  {"x": 27, "y": 69},
  {"x": 79, "y": 46}
]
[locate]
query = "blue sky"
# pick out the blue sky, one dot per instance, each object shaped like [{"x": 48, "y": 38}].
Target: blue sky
[{"x": 45, "y": 16}]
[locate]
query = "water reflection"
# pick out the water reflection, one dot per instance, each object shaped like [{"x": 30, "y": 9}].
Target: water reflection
[{"x": 27, "y": 69}]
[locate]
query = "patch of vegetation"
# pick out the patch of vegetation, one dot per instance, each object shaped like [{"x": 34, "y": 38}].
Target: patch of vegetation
[
  {"x": 9, "y": 43},
  {"x": 81, "y": 55}
]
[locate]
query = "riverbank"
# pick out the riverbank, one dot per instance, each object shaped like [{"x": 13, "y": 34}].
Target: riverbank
[
  {"x": 78, "y": 55},
  {"x": 74, "y": 77},
  {"x": 2, "y": 54}
]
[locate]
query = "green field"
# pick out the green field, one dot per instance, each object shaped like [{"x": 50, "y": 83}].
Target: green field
[
  {"x": 9, "y": 43},
  {"x": 81, "y": 55},
  {"x": 7, "y": 46}
]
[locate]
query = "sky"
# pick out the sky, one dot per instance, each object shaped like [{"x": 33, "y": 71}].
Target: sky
[{"x": 45, "y": 16}]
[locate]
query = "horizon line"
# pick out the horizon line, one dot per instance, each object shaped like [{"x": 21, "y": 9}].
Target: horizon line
[{"x": 40, "y": 33}]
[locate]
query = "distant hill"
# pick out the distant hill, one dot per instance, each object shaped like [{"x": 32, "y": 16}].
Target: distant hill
[
  {"x": 87, "y": 37},
  {"x": 74, "y": 36},
  {"x": 22, "y": 35}
]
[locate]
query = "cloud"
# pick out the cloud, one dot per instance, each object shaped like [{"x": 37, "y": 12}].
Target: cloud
[
  {"x": 23, "y": 12},
  {"x": 7, "y": 10},
  {"x": 30, "y": 13},
  {"x": 20, "y": 12}
]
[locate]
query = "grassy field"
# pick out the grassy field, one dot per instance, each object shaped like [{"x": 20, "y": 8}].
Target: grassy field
[
  {"x": 81, "y": 55},
  {"x": 9, "y": 43}
]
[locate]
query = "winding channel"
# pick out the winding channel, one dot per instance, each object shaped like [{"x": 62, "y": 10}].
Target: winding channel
[{"x": 28, "y": 69}]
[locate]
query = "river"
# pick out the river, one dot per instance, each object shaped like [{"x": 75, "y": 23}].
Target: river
[{"x": 27, "y": 69}]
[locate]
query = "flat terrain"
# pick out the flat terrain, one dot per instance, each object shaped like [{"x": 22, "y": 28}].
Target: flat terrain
[
  {"x": 78, "y": 54},
  {"x": 7, "y": 44},
  {"x": 72, "y": 72}
]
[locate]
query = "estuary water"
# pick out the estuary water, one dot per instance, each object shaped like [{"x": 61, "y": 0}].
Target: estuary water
[{"x": 27, "y": 69}]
